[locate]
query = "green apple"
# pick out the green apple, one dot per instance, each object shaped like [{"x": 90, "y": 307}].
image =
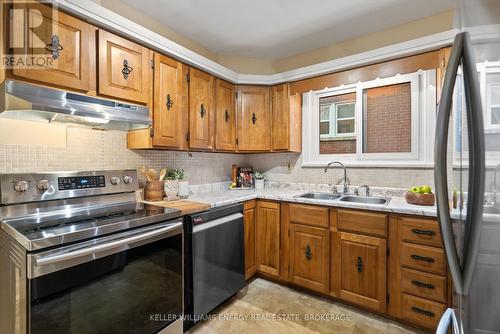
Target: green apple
[
  {"x": 414, "y": 189},
  {"x": 426, "y": 189}
]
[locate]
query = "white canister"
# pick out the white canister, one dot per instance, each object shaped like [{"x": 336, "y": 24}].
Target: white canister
[
  {"x": 259, "y": 184},
  {"x": 183, "y": 189},
  {"x": 171, "y": 189}
]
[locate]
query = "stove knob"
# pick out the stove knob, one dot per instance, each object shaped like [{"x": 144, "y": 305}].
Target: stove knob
[
  {"x": 43, "y": 185},
  {"x": 21, "y": 186},
  {"x": 128, "y": 179},
  {"x": 115, "y": 180}
]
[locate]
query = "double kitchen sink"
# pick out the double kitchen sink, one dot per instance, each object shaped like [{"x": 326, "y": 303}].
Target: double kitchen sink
[{"x": 346, "y": 198}]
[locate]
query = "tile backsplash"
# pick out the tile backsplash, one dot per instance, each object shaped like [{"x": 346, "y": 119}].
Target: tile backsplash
[{"x": 88, "y": 149}]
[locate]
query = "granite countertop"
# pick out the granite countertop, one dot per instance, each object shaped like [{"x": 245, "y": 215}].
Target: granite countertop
[{"x": 221, "y": 196}]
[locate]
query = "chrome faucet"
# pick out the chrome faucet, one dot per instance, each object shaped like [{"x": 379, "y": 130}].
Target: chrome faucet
[{"x": 345, "y": 174}]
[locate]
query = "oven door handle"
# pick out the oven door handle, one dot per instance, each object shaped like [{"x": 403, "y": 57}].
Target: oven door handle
[{"x": 70, "y": 258}]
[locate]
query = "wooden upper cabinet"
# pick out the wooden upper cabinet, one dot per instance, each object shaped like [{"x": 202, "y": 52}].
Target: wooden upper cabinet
[
  {"x": 286, "y": 119},
  {"x": 168, "y": 108},
  {"x": 309, "y": 257},
  {"x": 69, "y": 44},
  {"x": 225, "y": 120},
  {"x": 201, "y": 109},
  {"x": 267, "y": 237},
  {"x": 124, "y": 68},
  {"x": 254, "y": 118},
  {"x": 358, "y": 272}
]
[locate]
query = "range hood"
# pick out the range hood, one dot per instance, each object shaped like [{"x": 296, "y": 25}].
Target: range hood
[{"x": 24, "y": 101}]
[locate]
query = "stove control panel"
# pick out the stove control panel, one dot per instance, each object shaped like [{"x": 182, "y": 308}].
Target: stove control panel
[
  {"x": 34, "y": 187},
  {"x": 81, "y": 182}
]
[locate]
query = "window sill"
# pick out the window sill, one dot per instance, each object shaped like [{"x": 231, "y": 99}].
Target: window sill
[{"x": 373, "y": 164}]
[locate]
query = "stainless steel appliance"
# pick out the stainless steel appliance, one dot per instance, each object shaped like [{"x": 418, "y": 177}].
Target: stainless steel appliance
[
  {"x": 469, "y": 116},
  {"x": 83, "y": 256},
  {"x": 20, "y": 100},
  {"x": 215, "y": 261}
]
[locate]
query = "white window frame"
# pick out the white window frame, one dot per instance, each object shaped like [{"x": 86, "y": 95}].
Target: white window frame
[
  {"x": 423, "y": 120},
  {"x": 484, "y": 69},
  {"x": 333, "y": 122}
]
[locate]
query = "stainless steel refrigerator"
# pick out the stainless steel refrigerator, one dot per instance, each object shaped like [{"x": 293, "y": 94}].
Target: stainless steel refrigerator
[{"x": 467, "y": 157}]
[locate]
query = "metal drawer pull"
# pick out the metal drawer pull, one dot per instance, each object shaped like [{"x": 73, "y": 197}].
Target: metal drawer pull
[
  {"x": 308, "y": 253},
  {"x": 359, "y": 264},
  {"x": 423, "y": 232},
  {"x": 422, "y": 258},
  {"x": 54, "y": 47},
  {"x": 170, "y": 102},
  {"x": 424, "y": 312},
  {"x": 126, "y": 70},
  {"x": 226, "y": 116},
  {"x": 254, "y": 118},
  {"x": 423, "y": 285}
]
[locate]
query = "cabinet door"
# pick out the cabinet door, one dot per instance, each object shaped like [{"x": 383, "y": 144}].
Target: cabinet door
[
  {"x": 225, "y": 134},
  {"x": 254, "y": 126},
  {"x": 201, "y": 118},
  {"x": 359, "y": 270},
  {"x": 124, "y": 68},
  {"x": 309, "y": 257},
  {"x": 249, "y": 222},
  {"x": 69, "y": 43},
  {"x": 267, "y": 237},
  {"x": 167, "y": 114},
  {"x": 280, "y": 117}
]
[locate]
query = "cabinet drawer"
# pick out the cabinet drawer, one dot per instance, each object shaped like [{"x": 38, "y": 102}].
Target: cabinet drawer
[
  {"x": 421, "y": 311},
  {"x": 421, "y": 231},
  {"x": 363, "y": 222},
  {"x": 310, "y": 215},
  {"x": 423, "y": 258},
  {"x": 423, "y": 284}
]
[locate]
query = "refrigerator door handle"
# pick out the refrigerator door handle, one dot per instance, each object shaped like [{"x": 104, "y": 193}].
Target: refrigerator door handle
[
  {"x": 440, "y": 161},
  {"x": 448, "y": 319},
  {"x": 477, "y": 165}
]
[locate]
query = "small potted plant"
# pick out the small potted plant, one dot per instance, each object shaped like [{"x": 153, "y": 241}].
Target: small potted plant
[
  {"x": 171, "y": 184},
  {"x": 259, "y": 180}
]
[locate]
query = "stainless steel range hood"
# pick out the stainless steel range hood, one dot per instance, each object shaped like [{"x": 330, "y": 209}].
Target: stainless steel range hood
[{"x": 24, "y": 101}]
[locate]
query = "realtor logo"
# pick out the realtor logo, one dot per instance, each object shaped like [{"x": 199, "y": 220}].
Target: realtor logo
[{"x": 33, "y": 39}]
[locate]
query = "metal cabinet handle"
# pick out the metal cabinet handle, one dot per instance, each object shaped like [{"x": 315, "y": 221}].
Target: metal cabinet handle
[
  {"x": 54, "y": 46},
  {"x": 126, "y": 70},
  {"x": 359, "y": 264},
  {"x": 423, "y": 285},
  {"x": 170, "y": 102},
  {"x": 203, "y": 111},
  {"x": 461, "y": 53},
  {"x": 226, "y": 116},
  {"x": 423, "y": 232},
  {"x": 422, "y": 258},
  {"x": 254, "y": 118},
  {"x": 424, "y": 312},
  {"x": 308, "y": 253}
]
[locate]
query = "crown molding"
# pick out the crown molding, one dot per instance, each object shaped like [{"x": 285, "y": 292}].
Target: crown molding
[{"x": 102, "y": 17}]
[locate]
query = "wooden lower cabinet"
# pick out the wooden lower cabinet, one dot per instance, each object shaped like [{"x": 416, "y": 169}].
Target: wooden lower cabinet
[
  {"x": 309, "y": 257},
  {"x": 358, "y": 272},
  {"x": 249, "y": 226},
  {"x": 267, "y": 237}
]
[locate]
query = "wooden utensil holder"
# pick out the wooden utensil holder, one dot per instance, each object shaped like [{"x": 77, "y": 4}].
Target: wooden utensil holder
[{"x": 154, "y": 191}]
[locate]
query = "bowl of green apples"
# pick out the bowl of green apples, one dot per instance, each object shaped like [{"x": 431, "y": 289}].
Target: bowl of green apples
[{"x": 420, "y": 195}]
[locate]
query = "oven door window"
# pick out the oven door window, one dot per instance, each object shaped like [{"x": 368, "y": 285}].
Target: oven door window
[{"x": 135, "y": 291}]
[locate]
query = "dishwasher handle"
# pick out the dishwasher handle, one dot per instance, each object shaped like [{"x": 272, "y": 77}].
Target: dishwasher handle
[{"x": 217, "y": 222}]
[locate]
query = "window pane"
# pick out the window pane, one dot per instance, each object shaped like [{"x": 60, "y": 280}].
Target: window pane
[
  {"x": 332, "y": 143},
  {"x": 345, "y": 110},
  {"x": 495, "y": 115},
  {"x": 345, "y": 126},
  {"x": 324, "y": 128},
  {"x": 387, "y": 119}
]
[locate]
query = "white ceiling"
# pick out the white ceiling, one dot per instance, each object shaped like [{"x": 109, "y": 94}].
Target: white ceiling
[{"x": 280, "y": 28}]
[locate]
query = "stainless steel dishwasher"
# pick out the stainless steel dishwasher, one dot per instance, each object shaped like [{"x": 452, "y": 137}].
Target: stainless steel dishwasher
[{"x": 215, "y": 262}]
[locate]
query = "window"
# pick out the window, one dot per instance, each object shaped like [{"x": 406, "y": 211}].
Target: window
[
  {"x": 493, "y": 100},
  {"x": 387, "y": 121}
]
